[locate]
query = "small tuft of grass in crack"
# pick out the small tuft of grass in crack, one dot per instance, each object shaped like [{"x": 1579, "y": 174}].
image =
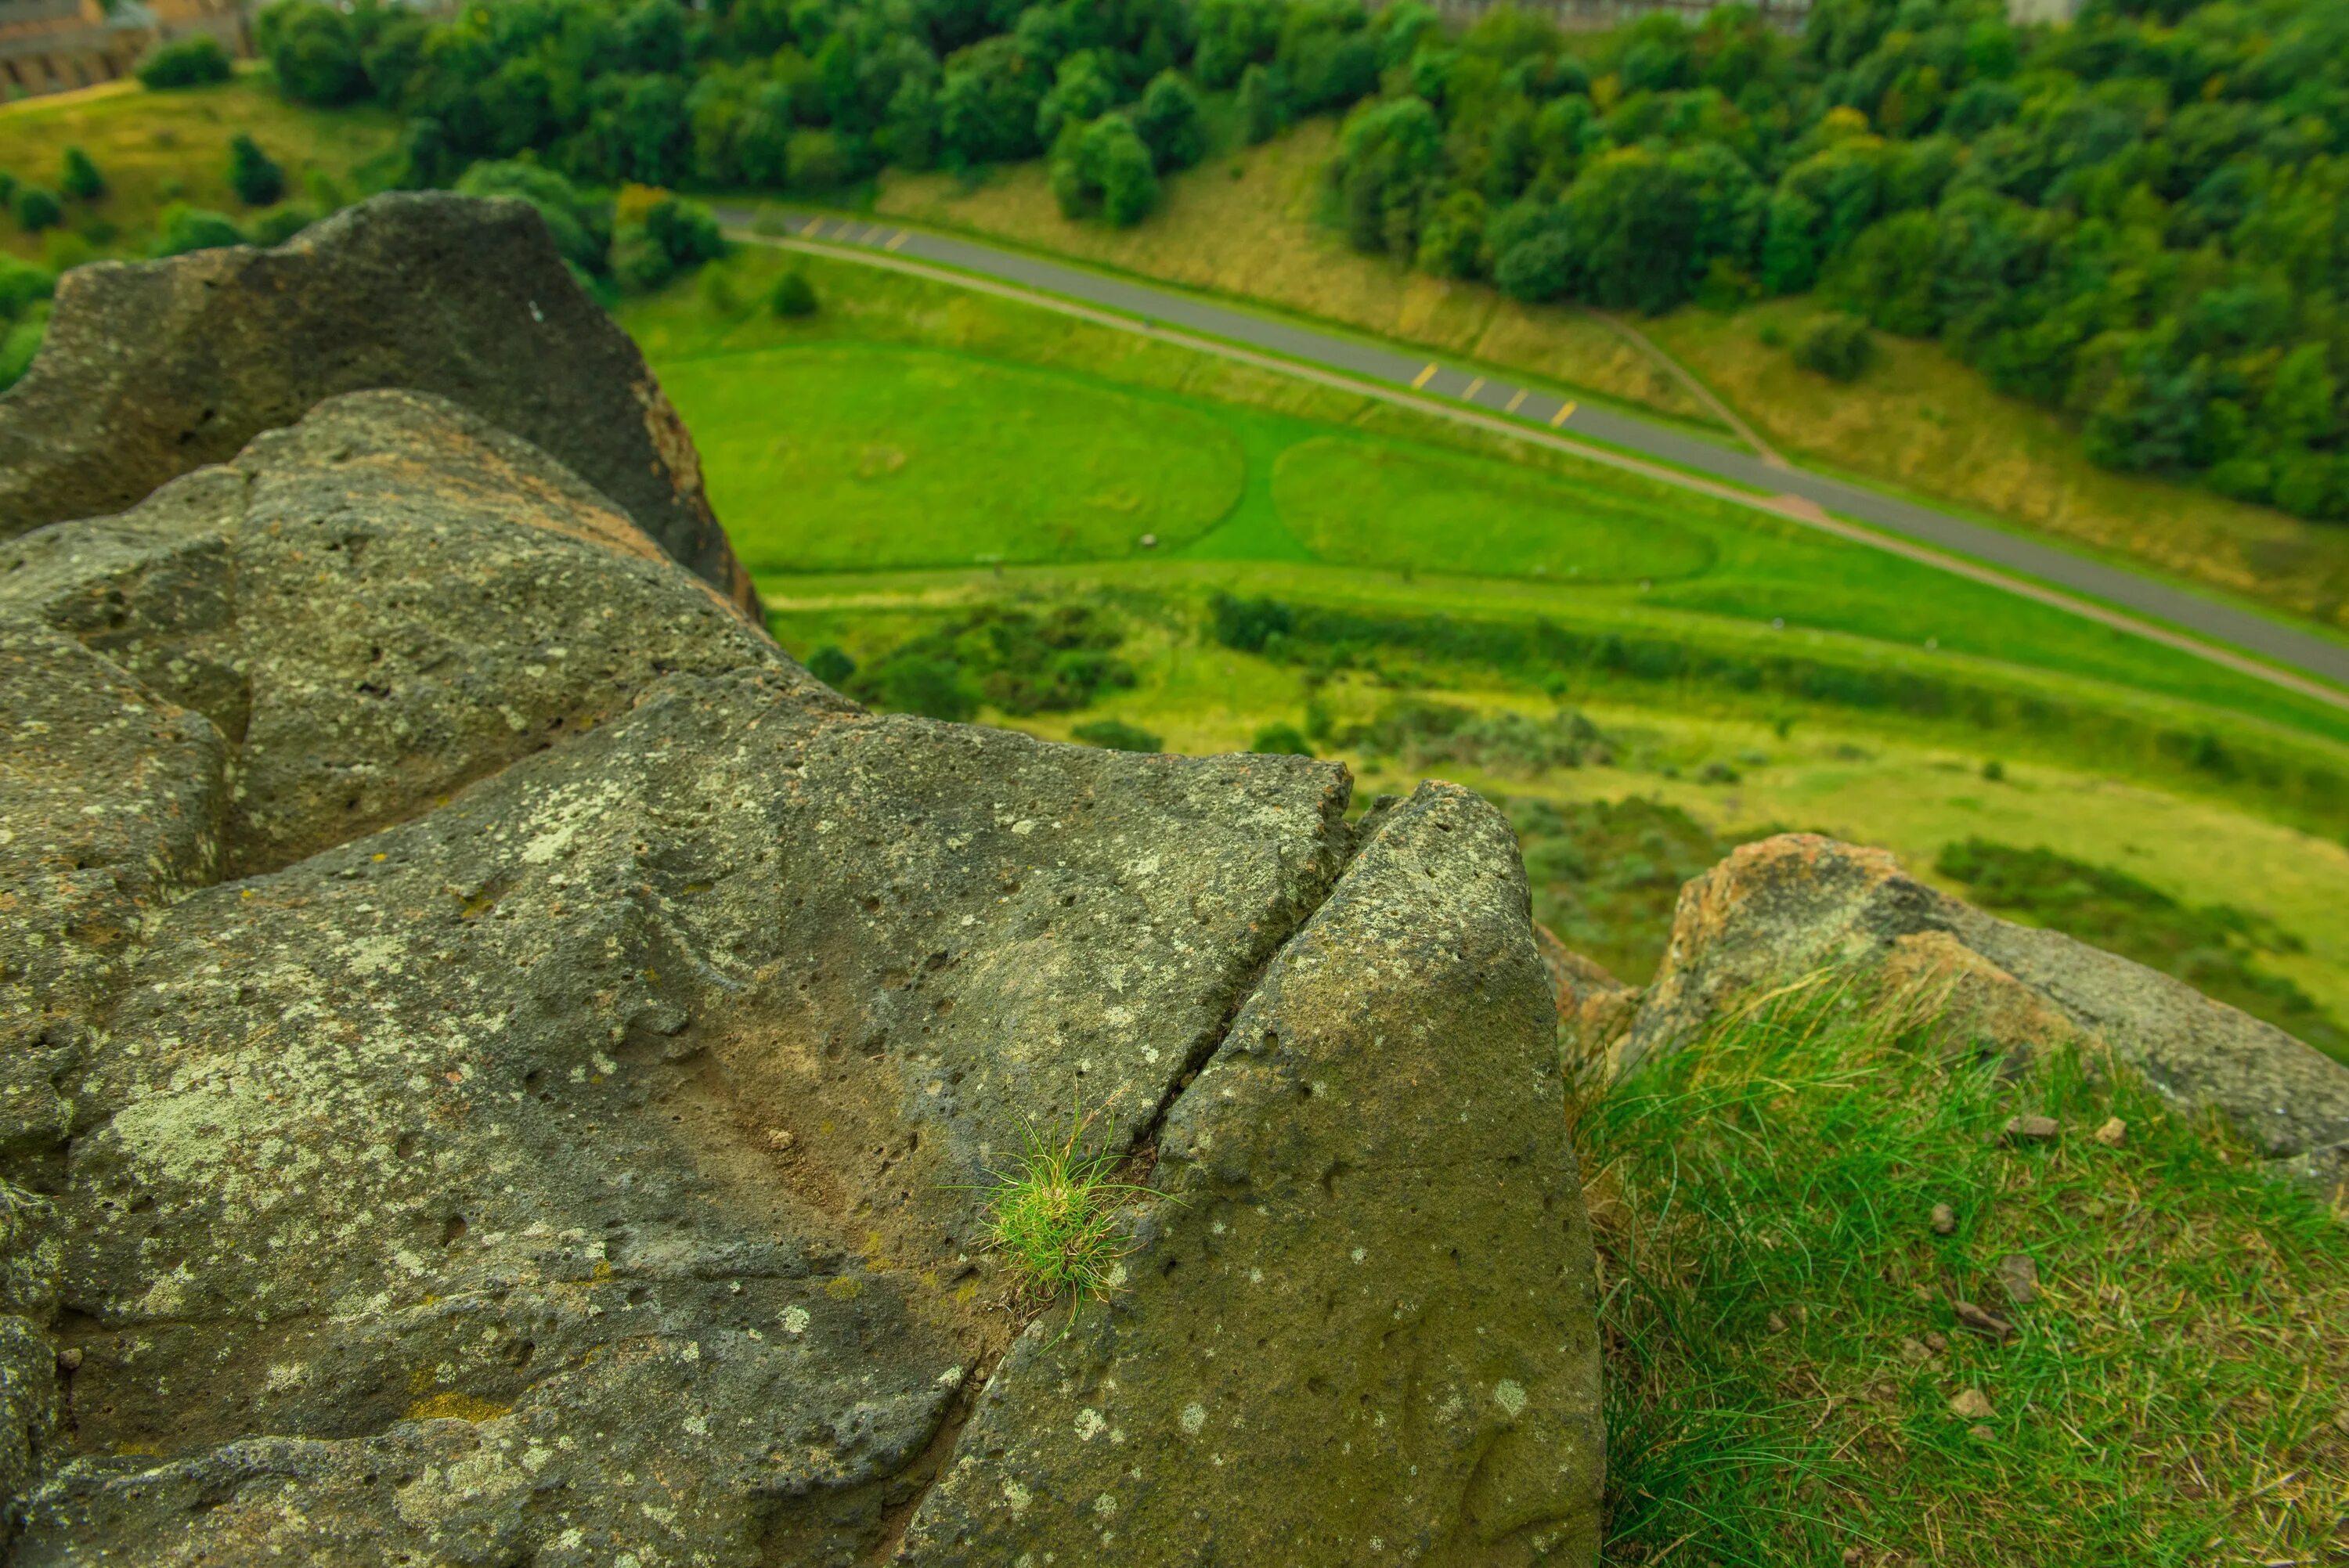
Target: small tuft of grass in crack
[{"x": 1053, "y": 1221}]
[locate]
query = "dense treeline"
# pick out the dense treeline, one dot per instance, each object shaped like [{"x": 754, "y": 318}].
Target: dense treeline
[
  {"x": 2139, "y": 219},
  {"x": 2142, "y": 220}
]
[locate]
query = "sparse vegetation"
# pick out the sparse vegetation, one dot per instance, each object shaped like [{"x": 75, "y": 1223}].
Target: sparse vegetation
[
  {"x": 1791, "y": 1380},
  {"x": 1116, "y": 735},
  {"x": 1054, "y": 1222},
  {"x": 1016, "y": 661}
]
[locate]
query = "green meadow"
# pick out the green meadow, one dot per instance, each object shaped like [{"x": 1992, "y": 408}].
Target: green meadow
[{"x": 916, "y": 461}]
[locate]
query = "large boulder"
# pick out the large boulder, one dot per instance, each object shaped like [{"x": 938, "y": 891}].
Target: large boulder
[
  {"x": 517, "y": 1068},
  {"x": 1784, "y": 908},
  {"x": 151, "y": 369}
]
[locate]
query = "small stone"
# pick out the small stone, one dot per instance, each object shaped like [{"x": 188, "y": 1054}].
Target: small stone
[
  {"x": 69, "y": 1359},
  {"x": 1936, "y": 1342},
  {"x": 1777, "y": 1324},
  {"x": 1974, "y": 1405},
  {"x": 1989, "y": 1324},
  {"x": 1945, "y": 1220},
  {"x": 780, "y": 1140},
  {"x": 2019, "y": 1273},
  {"x": 1149, "y": 542},
  {"x": 1852, "y": 1554},
  {"x": 2032, "y": 1128},
  {"x": 1981, "y": 1434},
  {"x": 1913, "y": 1351},
  {"x": 2113, "y": 1133}
]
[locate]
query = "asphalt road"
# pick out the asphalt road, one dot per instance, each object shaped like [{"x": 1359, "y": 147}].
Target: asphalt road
[{"x": 1938, "y": 533}]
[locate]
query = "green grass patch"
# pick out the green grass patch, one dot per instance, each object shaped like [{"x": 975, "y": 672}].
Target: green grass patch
[
  {"x": 1053, "y": 1221},
  {"x": 1785, "y": 1353},
  {"x": 896, "y": 457},
  {"x": 1362, "y": 503},
  {"x": 1607, "y": 874}
]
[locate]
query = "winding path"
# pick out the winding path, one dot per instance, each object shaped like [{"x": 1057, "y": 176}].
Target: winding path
[{"x": 2313, "y": 665}]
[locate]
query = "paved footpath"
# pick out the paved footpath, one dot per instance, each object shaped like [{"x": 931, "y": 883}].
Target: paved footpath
[{"x": 1971, "y": 549}]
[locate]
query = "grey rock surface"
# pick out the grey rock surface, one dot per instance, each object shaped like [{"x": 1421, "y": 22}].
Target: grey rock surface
[
  {"x": 1367, "y": 1290},
  {"x": 1792, "y": 904},
  {"x": 155, "y": 368},
  {"x": 515, "y": 1064}
]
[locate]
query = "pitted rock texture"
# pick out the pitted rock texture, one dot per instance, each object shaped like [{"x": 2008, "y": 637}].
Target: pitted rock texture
[
  {"x": 578, "y": 1148},
  {"x": 1367, "y": 1288},
  {"x": 1786, "y": 906},
  {"x": 153, "y": 369}
]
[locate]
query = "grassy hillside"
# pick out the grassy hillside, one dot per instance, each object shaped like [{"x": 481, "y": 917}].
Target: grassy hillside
[
  {"x": 1459, "y": 554},
  {"x": 1244, "y": 224},
  {"x": 1790, "y": 1379},
  {"x": 157, "y": 147}
]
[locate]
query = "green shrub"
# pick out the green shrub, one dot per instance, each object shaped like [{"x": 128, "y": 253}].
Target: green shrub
[
  {"x": 1839, "y": 348},
  {"x": 184, "y": 228},
  {"x": 37, "y": 209},
  {"x": 81, "y": 178},
  {"x": 1605, "y": 875},
  {"x": 793, "y": 295},
  {"x": 831, "y": 664},
  {"x": 1428, "y": 735},
  {"x": 1280, "y": 740},
  {"x": 656, "y": 235},
  {"x": 22, "y": 286},
  {"x": 253, "y": 174},
  {"x": 1019, "y": 661},
  {"x": 191, "y": 62},
  {"x": 1104, "y": 168},
  {"x": 280, "y": 224},
  {"x": 1116, "y": 735},
  {"x": 1261, "y": 106},
  {"x": 20, "y": 341},
  {"x": 581, "y": 224}
]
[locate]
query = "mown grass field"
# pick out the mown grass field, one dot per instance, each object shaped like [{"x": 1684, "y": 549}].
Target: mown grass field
[
  {"x": 1331, "y": 478},
  {"x": 1243, "y": 224},
  {"x": 157, "y": 147}
]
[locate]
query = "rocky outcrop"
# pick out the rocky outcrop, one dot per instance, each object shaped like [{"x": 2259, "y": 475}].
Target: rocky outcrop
[
  {"x": 152, "y": 369},
  {"x": 1790, "y": 906},
  {"x": 504, "y": 1066}
]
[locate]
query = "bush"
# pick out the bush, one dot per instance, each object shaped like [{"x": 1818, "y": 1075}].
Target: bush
[
  {"x": 1280, "y": 740},
  {"x": 22, "y": 286},
  {"x": 81, "y": 180},
  {"x": 21, "y": 342},
  {"x": 191, "y": 62},
  {"x": 280, "y": 224},
  {"x": 37, "y": 210},
  {"x": 1104, "y": 168},
  {"x": 793, "y": 296},
  {"x": 1116, "y": 735},
  {"x": 655, "y": 235},
  {"x": 1018, "y": 660},
  {"x": 831, "y": 664},
  {"x": 581, "y": 224},
  {"x": 1839, "y": 348},
  {"x": 185, "y": 228},
  {"x": 253, "y": 174},
  {"x": 1248, "y": 625}
]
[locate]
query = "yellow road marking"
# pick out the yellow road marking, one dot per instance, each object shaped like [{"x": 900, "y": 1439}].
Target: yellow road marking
[
  {"x": 895, "y": 240},
  {"x": 1424, "y": 377},
  {"x": 1559, "y": 418},
  {"x": 1515, "y": 401},
  {"x": 1474, "y": 387}
]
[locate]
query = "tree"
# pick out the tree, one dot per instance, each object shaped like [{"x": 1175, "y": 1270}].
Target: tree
[
  {"x": 253, "y": 174},
  {"x": 794, "y": 296},
  {"x": 1259, "y": 107},
  {"x": 81, "y": 178},
  {"x": 1168, "y": 122},
  {"x": 579, "y": 223},
  {"x": 191, "y": 62},
  {"x": 314, "y": 52},
  {"x": 1280, "y": 740},
  {"x": 37, "y": 209},
  {"x": 1104, "y": 168}
]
